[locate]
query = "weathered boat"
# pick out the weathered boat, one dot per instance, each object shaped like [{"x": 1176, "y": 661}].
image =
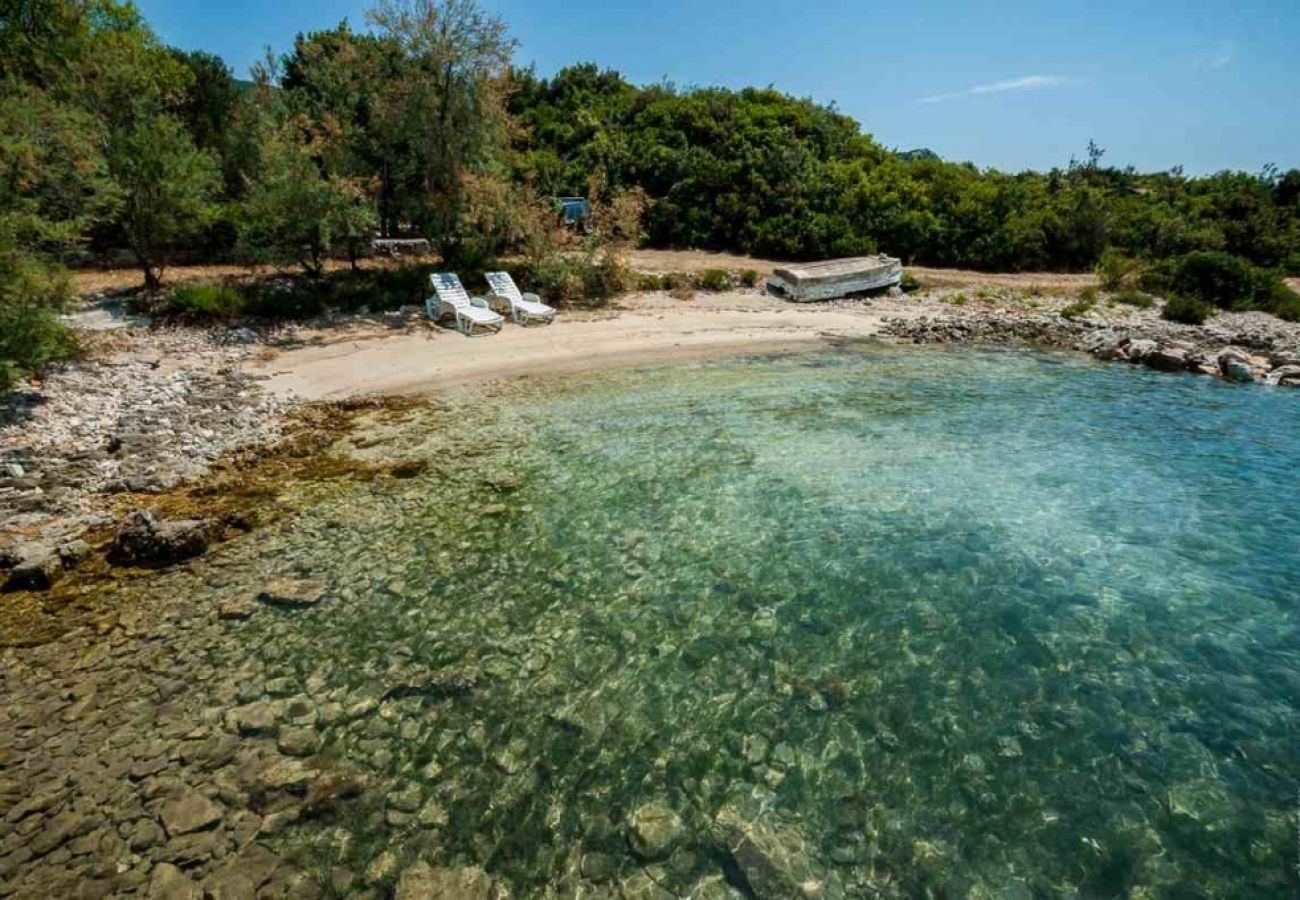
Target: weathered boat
[{"x": 833, "y": 278}]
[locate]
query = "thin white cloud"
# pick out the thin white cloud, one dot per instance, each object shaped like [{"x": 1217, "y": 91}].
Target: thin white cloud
[
  {"x": 1024, "y": 83},
  {"x": 1215, "y": 61}
]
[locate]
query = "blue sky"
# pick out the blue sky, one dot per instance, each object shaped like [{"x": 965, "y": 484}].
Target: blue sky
[{"x": 1208, "y": 84}]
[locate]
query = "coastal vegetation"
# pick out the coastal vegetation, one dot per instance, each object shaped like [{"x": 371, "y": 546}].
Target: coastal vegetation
[{"x": 116, "y": 146}]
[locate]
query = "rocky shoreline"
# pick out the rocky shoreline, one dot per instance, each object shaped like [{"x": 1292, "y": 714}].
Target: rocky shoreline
[
  {"x": 147, "y": 411},
  {"x": 1238, "y": 347}
]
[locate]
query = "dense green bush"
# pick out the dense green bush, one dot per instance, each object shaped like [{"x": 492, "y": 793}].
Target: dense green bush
[
  {"x": 714, "y": 280},
  {"x": 31, "y": 337},
  {"x": 749, "y": 278},
  {"x": 1219, "y": 279},
  {"x": 1225, "y": 281},
  {"x": 1187, "y": 310},
  {"x": 206, "y": 301}
]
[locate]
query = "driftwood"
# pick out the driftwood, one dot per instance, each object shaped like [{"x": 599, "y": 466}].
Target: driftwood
[{"x": 835, "y": 278}]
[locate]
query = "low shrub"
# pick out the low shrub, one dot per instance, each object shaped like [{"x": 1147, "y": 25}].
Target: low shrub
[
  {"x": 715, "y": 280},
  {"x": 590, "y": 279},
  {"x": 749, "y": 278},
  {"x": 648, "y": 281},
  {"x": 909, "y": 283},
  {"x": 1078, "y": 308},
  {"x": 1223, "y": 280},
  {"x": 1134, "y": 297},
  {"x": 31, "y": 337},
  {"x": 1116, "y": 270},
  {"x": 1187, "y": 310},
  {"x": 205, "y": 301}
]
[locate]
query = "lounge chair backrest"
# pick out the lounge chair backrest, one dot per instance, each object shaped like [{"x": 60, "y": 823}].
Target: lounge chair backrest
[
  {"x": 449, "y": 288},
  {"x": 504, "y": 286}
]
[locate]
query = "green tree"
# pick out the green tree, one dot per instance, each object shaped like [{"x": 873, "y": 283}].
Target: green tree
[
  {"x": 296, "y": 211},
  {"x": 208, "y": 102},
  {"x": 53, "y": 185},
  {"x": 167, "y": 186},
  {"x": 450, "y": 101}
]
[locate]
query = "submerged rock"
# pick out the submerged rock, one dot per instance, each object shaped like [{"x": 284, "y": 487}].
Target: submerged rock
[
  {"x": 294, "y": 593},
  {"x": 170, "y": 883},
  {"x": 424, "y": 882},
  {"x": 653, "y": 830},
  {"x": 775, "y": 861},
  {"x": 145, "y": 540},
  {"x": 193, "y": 812}
]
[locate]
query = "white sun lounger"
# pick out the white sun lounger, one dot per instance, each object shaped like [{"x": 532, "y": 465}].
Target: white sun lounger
[
  {"x": 453, "y": 300},
  {"x": 523, "y": 308}
]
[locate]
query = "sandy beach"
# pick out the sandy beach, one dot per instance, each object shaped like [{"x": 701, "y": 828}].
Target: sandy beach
[{"x": 638, "y": 329}]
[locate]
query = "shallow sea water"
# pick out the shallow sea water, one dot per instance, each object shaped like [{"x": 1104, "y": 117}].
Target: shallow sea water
[{"x": 967, "y": 623}]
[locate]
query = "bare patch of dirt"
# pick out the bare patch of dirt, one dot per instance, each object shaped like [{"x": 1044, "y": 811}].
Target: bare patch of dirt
[{"x": 109, "y": 281}]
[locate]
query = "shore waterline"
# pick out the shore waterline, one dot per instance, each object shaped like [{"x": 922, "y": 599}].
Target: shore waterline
[{"x": 898, "y": 620}]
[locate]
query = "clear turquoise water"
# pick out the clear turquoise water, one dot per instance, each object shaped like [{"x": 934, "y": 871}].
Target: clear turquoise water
[{"x": 974, "y": 623}]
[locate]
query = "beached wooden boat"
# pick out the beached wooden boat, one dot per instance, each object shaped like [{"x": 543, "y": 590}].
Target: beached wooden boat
[{"x": 835, "y": 278}]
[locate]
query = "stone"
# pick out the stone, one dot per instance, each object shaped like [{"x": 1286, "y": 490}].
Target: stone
[
  {"x": 73, "y": 553},
  {"x": 297, "y": 741},
  {"x": 287, "y": 775},
  {"x": 1234, "y": 369},
  {"x": 37, "y": 568},
  {"x": 424, "y": 882},
  {"x": 241, "y": 606},
  {"x": 382, "y": 867},
  {"x": 192, "y": 812},
  {"x": 406, "y": 800},
  {"x": 293, "y": 593},
  {"x": 599, "y": 867},
  {"x": 432, "y": 815},
  {"x": 714, "y": 887},
  {"x": 1286, "y": 376},
  {"x": 59, "y": 830},
  {"x": 775, "y": 862},
  {"x": 188, "y": 850},
  {"x": 754, "y": 747},
  {"x": 146, "y": 541},
  {"x": 253, "y": 719},
  {"x": 642, "y": 887},
  {"x": 1166, "y": 359},
  {"x": 653, "y": 830},
  {"x": 145, "y": 834},
  {"x": 1137, "y": 350},
  {"x": 170, "y": 883},
  {"x": 229, "y": 882}
]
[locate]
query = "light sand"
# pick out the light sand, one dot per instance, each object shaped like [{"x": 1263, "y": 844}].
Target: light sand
[{"x": 639, "y": 329}]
